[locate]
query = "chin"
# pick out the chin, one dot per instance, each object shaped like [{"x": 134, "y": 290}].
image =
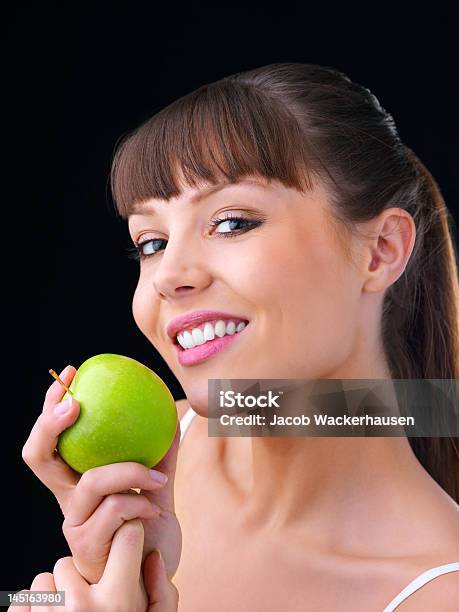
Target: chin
[
  {"x": 197, "y": 396},
  {"x": 199, "y": 405}
]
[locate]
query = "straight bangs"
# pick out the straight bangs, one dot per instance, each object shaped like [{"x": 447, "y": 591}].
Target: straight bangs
[{"x": 221, "y": 132}]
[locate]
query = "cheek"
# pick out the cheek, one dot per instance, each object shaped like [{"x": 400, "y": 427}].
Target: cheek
[
  {"x": 137, "y": 309},
  {"x": 324, "y": 300},
  {"x": 308, "y": 293},
  {"x": 143, "y": 309}
]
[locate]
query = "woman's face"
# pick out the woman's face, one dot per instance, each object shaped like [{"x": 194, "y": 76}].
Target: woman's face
[{"x": 282, "y": 269}]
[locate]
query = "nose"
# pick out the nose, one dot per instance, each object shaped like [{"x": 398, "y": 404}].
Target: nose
[{"x": 182, "y": 268}]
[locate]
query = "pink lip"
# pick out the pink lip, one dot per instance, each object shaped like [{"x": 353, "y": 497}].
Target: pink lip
[
  {"x": 198, "y": 354},
  {"x": 197, "y": 317}
]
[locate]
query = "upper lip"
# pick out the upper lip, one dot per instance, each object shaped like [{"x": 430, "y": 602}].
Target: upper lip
[{"x": 195, "y": 318}]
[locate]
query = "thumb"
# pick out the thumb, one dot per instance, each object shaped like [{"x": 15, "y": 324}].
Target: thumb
[
  {"x": 163, "y": 596},
  {"x": 122, "y": 572}
]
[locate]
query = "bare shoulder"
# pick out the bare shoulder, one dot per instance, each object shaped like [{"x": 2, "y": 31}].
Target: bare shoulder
[
  {"x": 443, "y": 521},
  {"x": 441, "y": 593},
  {"x": 182, "y": 406}
]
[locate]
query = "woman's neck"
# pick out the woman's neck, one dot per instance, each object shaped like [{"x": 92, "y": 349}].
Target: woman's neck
[{"x": 341, "y": 495}]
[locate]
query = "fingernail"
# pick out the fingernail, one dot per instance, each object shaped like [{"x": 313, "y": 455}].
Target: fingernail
[
  {"x": 64, "y": 371},
  {"x": 160, "y": 556},
  {"x": 158, "y": 476},
  {"x": 63, "y": 406}
]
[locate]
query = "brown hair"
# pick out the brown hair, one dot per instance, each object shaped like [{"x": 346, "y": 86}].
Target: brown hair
[{"x": 294, "y": 122}]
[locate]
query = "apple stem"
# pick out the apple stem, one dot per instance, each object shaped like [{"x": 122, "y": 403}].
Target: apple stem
[{"x": 53, "y": 373}]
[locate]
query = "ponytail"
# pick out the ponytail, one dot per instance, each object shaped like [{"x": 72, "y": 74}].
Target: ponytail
[{"x": 421, "y": 320}]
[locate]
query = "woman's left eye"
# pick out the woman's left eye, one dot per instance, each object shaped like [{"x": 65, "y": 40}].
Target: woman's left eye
[
  {"x": 144, "y": 249},
  {"x": 232, "y": 223}
]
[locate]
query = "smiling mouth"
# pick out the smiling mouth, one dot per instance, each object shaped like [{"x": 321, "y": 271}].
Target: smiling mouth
[
  {"x": 206, "y": 350},
  {"x": 208, "y": 332}
]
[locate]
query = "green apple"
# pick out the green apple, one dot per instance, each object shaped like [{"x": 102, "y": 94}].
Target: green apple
[{"x": 127, "y": 413}]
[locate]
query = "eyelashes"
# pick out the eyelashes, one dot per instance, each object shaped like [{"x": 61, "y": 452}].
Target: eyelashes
[{"x": 137, "y": 253}]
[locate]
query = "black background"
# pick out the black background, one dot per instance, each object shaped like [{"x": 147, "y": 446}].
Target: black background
[{"x": 75, "y": 81}]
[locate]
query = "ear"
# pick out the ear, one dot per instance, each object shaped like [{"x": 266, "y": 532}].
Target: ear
[{"x": 387, "y": 253}]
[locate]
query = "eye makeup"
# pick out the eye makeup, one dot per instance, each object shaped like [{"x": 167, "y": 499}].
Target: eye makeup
[{"x": 139, "y": 251}]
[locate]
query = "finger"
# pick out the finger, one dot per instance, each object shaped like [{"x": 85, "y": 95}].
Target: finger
[
  {"x": 164, "y": 497},
  {"x": 91, "y": 541},
  {"x": 24, "y": 608},
  {"x": 163, "y": 596},
  {"x": 122, "y": 573},
  {"x": 68, "y": 579},
  {"x": 39, "y": 450},
  {"x": 98, "y": 482},
  {"x": 43, "y": 582},
  {"x": 55, "y": 391},
  {"x": 169, "y": 462},
  {"x": 39, "y": 453},
  {"x": 114, "y": 511}
]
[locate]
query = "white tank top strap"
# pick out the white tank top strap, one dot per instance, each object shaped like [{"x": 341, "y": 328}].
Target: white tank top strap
[
  {"x": 420, "y": 581},
  {"x": 185, "y": 421}
]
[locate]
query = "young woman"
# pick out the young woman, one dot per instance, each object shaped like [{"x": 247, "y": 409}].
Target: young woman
[{"x": 282, "y": 200}]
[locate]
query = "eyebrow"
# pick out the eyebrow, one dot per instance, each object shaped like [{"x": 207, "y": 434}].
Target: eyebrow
[{"x": 146, "y": 208}]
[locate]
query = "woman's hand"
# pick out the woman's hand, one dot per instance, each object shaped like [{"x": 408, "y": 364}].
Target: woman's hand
[
  {"x": 118, "y": 587},
  {"x": 96, "y": 503}
]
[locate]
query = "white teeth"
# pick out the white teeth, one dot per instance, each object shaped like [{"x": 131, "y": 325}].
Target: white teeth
[
  {"x": 197, "y": 336},
  {"x": 188, "y": 339},
  {"x": 181, "y": 341},
  {"x": 220, "y": 328},
  {"x": 209, "y": 333}
]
